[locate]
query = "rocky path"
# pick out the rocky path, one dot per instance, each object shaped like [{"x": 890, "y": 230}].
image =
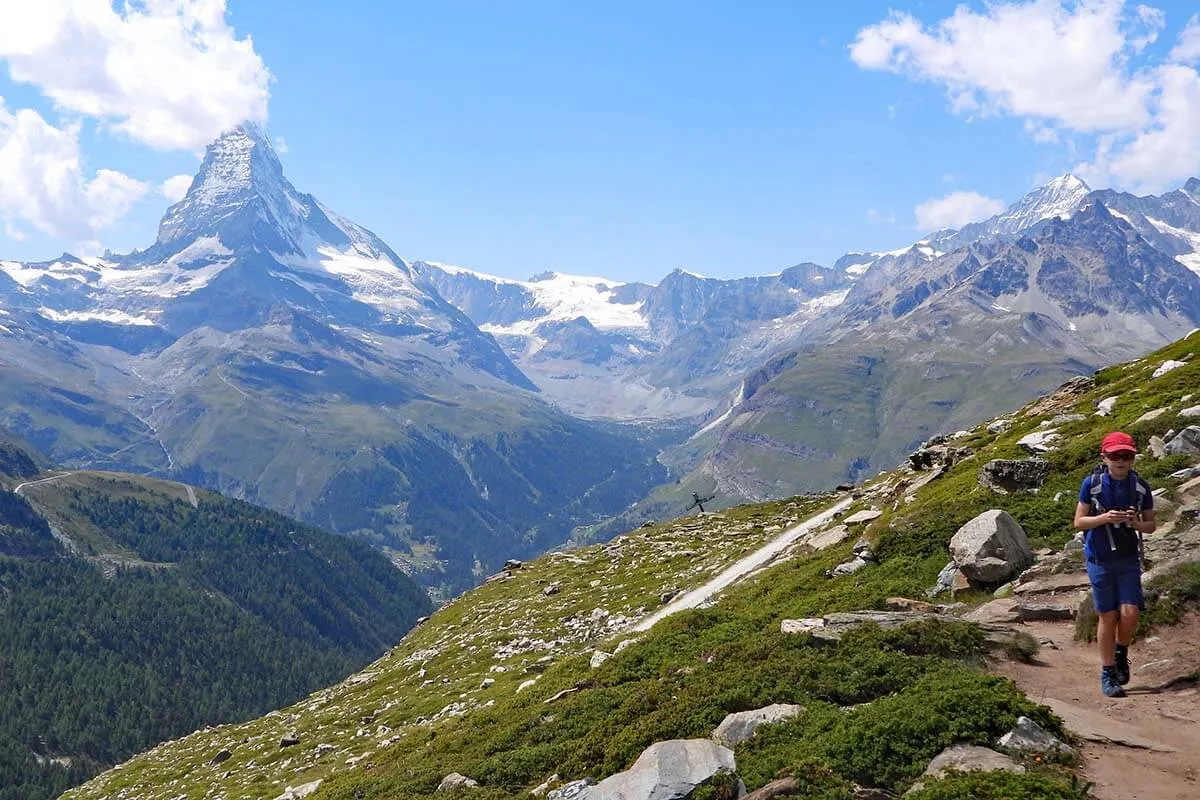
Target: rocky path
[{"x": 1142, "y": 747}]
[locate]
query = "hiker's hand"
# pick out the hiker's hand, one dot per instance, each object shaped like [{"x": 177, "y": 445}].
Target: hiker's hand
[{"x": 1114, "y": 516}]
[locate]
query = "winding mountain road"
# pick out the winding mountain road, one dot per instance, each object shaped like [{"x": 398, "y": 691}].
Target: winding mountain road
[
  {"x": 739, "y": 569},
  {"x": 21, "y": 486}
]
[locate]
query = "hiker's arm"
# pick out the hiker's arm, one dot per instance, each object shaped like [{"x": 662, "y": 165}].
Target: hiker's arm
[
  {"x": 1085, "y": 522},
  {"x": 1146, "y": 524}
]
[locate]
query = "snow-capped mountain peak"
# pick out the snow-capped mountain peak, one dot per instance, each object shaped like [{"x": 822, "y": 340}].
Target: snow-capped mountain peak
[{"x": 1058, "y": 198}]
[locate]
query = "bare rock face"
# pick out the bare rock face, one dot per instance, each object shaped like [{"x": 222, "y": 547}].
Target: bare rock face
[
  {"x": 992, "y": 548},
  {"x": 669, "y": 770},
  {"x": 737, "y": 728},
  {"x": 1186, "y": 442},
  {"x": 1020, "y": 475},
  {"x": 1030, "y": 737}
]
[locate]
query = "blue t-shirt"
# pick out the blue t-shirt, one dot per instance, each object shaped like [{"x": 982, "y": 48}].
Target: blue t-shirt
[{"x": 1114, "y": 494}]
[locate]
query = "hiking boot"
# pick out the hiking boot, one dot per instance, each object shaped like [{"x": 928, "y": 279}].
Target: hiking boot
[
  {"x": 1122, "y": 665},
  {"x": 1109, "y": 684}
]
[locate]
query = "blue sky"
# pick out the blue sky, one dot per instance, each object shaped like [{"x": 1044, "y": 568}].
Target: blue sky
[{"x": 621, "y": 139}]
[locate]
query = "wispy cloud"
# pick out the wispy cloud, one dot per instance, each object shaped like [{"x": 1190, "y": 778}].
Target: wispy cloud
[
  {"x": 955, "y": 210},
  {"x": 1082, "y": 70}
]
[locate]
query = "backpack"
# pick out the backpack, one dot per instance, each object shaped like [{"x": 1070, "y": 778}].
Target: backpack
[{"x": 1123, "y": 542}]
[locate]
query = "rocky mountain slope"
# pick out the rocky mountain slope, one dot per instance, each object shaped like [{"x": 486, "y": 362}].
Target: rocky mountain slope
[
  {"x": 572, "y": 669},
  {"x": 133, "y": 610},
  {"x": 270, "y": 349}
]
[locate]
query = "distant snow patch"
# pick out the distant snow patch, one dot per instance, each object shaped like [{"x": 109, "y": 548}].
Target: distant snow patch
[{"x": 99, "y": 315}]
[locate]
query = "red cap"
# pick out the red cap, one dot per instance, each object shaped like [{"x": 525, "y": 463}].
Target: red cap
[{"x": 1117, "y": 441}]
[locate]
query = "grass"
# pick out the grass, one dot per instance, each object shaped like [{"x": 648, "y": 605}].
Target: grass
[{"x": 878, "y": 706}]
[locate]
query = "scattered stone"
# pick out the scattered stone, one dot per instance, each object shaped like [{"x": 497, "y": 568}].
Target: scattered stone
[
  {"x": 552, "y": 589},
  {"x": 1058, "y": 496},
  {"x": 1185, "y": 474},
  {"x": 1186, "y": 442},
  {"x": 487, "y": 683},
  {"x": 1045, "y": 612},
  {"x": 868, "y": 793},
  {"x": 1157, "y": 447},
  {"x": 624, "y": 643},
  {"x": 1029, "y": 737},
  {"x": 421, "y": 620},
  {"x": 599, "y": 657},
  {"x": 907, "y": 604},
  {"x": 544, "y": 786},
  {"x": 570, "y": 791},
  {"x": 829, "y": 538},
  {"x": 945, "y": 580},
  {"x": 1063, "y": 419},
  {"x": 220, "y": 758},
  {"x": 967, "y": 758},
  {"x": 836, "y": 625},
  {"x": 1166, "y": 367},
  {"x": 1039, "y": 442},
  {"x": 1194, "y": 411},
  {"x": 866, "y": 515},
  {"x": 523, "y": 685},
  {"x": 289, "y": 740},
  {"x": 995, "y": 612},
  {"x": 1105, "y": 406},
  {"x": 454, "y": 781},
  {"x": 1063, "y": 582},
  {"x": 499, "y": 576},
  {"x": 991, "y": 548},
  {"x": 848, "y": 567},
  {"x": 670, "y": 769},
  {"x": 1150, "y": 416},
  {"x": 999, "y": 426},
  {"x": 554, "y": 698},
  {"x": 298, "y": 792},
  {"x": 1005, "y": 475},
  {"x": 801, "y": 625},
  {"x": 1064, "y": 397},
  {"x": 780, "y": 787},
  {"x": 1005, "y": 591},
  {"x": 737, "y": 728},
  {"x": 844, "y": 487},
  {"x": 669, "y": 595}
]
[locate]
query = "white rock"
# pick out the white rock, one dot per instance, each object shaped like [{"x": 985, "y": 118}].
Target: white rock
[
  {"x": 1151, "y": 415},
  {"x": 1030, "y": 737},
  {"x": 1105, "y": 406},
  {"x": 737, "y": 728},
  {"x": 801, "y": 625},
  {"x": 297, "y": 792},
  {"x": 1166, "y": 367},
  {"x": 991, "y": 548},
  {"x": 526, "y": 684},
  {"x": 1039, "y": 441},
  {"x": 1194, "y": 411},
  {"x": 454, "y": 780},
  {"x": 866, "y": 515},
  {"x": 599, "y": 657}
]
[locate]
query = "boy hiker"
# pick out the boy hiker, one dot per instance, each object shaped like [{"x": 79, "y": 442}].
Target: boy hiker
[{"x": 1115, "y": 508}]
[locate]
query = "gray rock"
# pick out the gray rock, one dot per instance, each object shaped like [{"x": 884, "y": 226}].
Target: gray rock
[
  {"x": 1194, "y": 411},
  {"x": 454, "y": 781},
  {"x": 513, "y": 563},
  {"x": 737, "y": 728},
  {"x": 849, "y": 567},
  {"x": 669, "y": 770},
  {"x": 1030, "y": 737},
  {"x": 866, "y": 515},
  {"x": 1045, "y": 612},
  {"x": 599, "y": 657},
  {"x": 1157, "y": 447},
  {"x": 1063, "y": 419},
  {"x": 1184, "y": 474},
  {"x": 838, "y": 624},
  {"x": 570, "y": 791},
  {"x": 945, "y": 580},
  {"x": 301, "y": 791},
  {"x": 1039, "y": 442},
  {"x": 1187, "y": 442},
  {"x": 793, "y": 626},
  {"x": 968, "y": 758},
  {"x": 1150, "y": 416},
  {"x": 220, "y": 758},
  {"x": 552, "y": 589},
  {"x": 289, "y": 740},
  {"x": 992, "y": 548},
  {"x": 999, "y": 426},
  {"x": 1005, "y": 475},
  {"x": 1105, "y": 406}
]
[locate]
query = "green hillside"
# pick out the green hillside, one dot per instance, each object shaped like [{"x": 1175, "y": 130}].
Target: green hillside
[{"x": 128, "y": 616}]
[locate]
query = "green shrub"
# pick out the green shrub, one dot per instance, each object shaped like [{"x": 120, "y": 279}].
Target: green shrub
[{"x": 1001, "y": 786}]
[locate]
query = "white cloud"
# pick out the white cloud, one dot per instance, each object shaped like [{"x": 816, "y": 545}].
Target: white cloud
[
  {"x": 42, "y": 181},
  {"x": 955, "y": 210},
  {"x": 169, "y": 73},
  {"x": 175, "y": 187},
  {"x": 1187, "y": 48},
  {"x": 1066, "y": 68},
  {"x": 280, "y": 146},
  {"x": 880, "y": 215}
]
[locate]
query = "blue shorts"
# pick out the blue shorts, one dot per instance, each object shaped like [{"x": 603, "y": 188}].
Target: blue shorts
[{"x": 1115, "y": 584}]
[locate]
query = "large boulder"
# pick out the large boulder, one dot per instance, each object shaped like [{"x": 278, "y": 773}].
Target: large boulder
[
  {"x": 967, "y": 758},
  {"x": 737, "y": 728},
  {"x": 1014, "y": 475},
  {"x": 669, "y": 770},
  {"x": 1186, "y": 442},
  {"x": 992, "y": 548}
]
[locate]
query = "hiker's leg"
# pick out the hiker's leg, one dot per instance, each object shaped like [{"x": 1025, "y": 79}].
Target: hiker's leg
[
  {"x": 1127, "y": 624},
  {"x": 1106, "y": 637}
]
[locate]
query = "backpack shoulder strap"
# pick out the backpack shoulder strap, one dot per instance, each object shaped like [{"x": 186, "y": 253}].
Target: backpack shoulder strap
[
  {"x": 1141, "y": 489},
  {"x": 1096, "y": 486}
]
